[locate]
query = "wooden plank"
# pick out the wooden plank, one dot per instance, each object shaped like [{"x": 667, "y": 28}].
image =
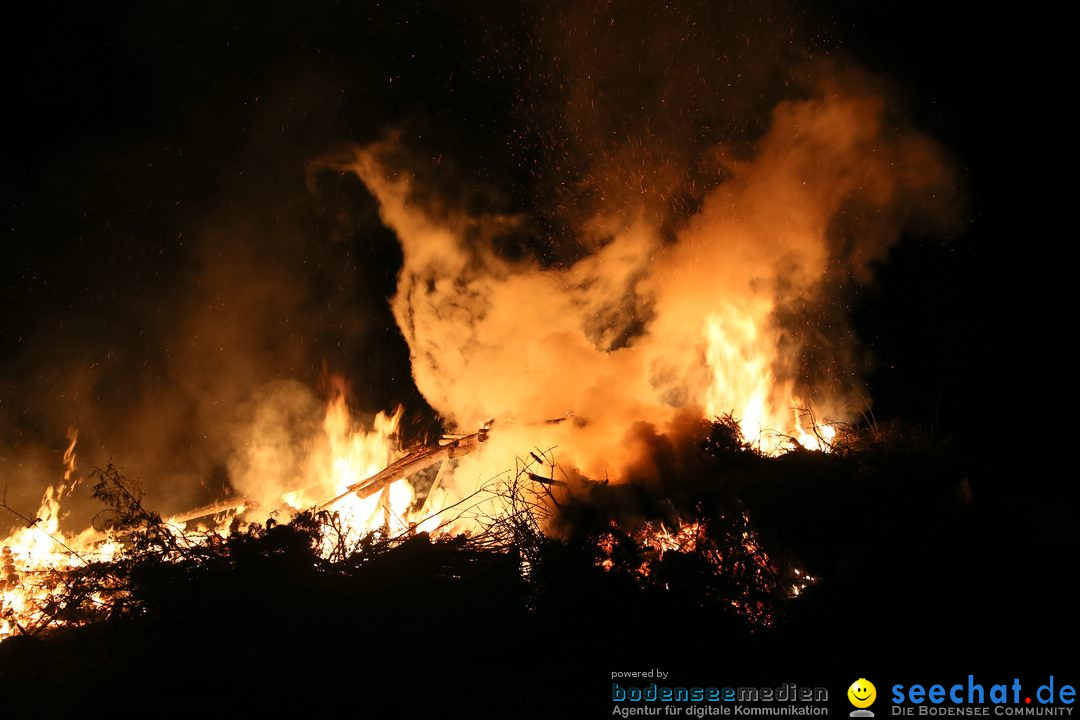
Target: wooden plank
[{"x": 413, "y": 462}]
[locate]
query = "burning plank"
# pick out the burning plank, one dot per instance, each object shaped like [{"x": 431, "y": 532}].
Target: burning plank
[
  {"x": 414, "y": 461},
  {"x": 214, "y": 508},
  {"x": 417, "y": 459}
]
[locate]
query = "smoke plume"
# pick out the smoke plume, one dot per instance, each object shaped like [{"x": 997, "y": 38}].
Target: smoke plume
[
  {"x": 616, "y": 216},
  {"x": 715, "y": 313}
]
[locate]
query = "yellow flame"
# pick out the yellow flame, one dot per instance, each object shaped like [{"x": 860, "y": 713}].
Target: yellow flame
[
  {"x": 347, "y": 454},
  {"x": 31, "y": 554},
  {"x": 740, "y": 358}
]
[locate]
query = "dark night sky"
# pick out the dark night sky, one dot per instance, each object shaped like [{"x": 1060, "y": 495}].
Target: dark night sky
[{"x": 156, "y": 161}]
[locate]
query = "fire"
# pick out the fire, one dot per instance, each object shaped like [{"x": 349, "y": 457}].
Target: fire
[
  {"x": 728, "y": 545},
  {"x": 599, "y": 354},
  {"x": 719, "y": 315},
  {"x": 35, "y": 555},
  {"x": 346, "y": 454},
  {"x": 744, "y": 384},
  {"x": 682, "y": 540}
]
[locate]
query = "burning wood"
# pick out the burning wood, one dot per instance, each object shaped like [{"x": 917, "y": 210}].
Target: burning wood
[
  {"x": 52, "y": 579},
  {"x": 417, "y": 459},
  {"x": 214, "y": 508}
]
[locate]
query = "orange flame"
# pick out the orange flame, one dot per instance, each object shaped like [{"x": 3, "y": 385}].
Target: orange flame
[
  {"x": 33, "y": 555},
  {"x": 347, "y": 454}
]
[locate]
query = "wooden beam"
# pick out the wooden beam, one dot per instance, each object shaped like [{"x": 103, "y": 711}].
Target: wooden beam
[
  {"x": 417, "y": 459},
  {"x": 213, "y": 508},
  {"x": 413, "y": 462}
]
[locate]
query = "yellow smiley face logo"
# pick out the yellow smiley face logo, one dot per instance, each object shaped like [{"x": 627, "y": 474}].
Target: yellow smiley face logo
[{"x": 862, "y": 693}]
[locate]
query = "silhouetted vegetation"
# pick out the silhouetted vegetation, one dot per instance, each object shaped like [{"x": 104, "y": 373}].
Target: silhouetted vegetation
[{"x": 395, "y": 627}]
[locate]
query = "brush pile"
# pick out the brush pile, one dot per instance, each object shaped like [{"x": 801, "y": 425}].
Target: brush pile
[{"x": 748, "y": 547}]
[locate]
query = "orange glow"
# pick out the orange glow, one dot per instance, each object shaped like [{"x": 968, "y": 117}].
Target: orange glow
[{"x": 757, "y": 575}]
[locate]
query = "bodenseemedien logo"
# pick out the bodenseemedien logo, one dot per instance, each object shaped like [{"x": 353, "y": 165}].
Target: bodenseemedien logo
[
  {"x": 684, "y": 701},
  {"x": 862, "y": 694}
]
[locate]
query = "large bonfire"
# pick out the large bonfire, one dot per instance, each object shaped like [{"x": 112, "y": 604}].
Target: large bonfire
[{"x": 563, "y": 375}]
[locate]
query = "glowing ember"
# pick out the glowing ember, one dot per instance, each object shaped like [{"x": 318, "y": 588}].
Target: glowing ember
[{"x": 729, "y": 547}]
